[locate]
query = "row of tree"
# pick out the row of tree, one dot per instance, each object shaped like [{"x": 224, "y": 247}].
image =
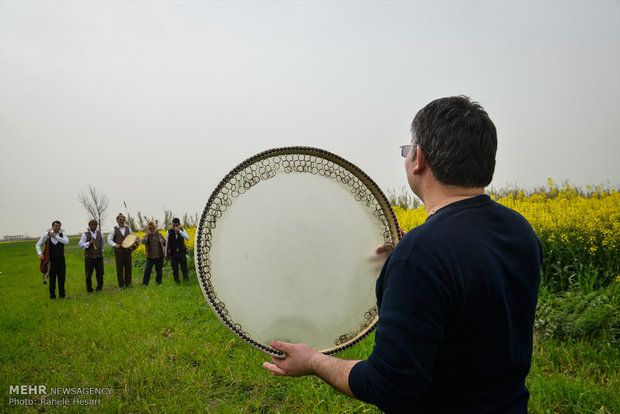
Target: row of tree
[{"x": 96, "y": 205}]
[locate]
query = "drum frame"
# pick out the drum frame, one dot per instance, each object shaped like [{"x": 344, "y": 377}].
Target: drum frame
[{"x": 303, "y": 159}]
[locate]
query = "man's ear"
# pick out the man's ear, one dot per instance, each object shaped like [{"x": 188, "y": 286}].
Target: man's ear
[{"x": 419, "y": 164}]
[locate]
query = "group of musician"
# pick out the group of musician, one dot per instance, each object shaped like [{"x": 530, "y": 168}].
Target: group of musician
[{"x": 156, "y": 246}]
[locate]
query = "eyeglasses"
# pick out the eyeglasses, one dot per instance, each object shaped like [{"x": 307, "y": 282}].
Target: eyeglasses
[{"x": 404, "y": 149}]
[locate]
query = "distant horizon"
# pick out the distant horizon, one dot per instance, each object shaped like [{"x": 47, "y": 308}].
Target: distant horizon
[{"x": 489, "y": 190}]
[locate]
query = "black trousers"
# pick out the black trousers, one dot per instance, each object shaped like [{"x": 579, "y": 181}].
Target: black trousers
[
  {"x": 176, "y": 259},
  {"x": 95, "y": 264},
  {"x": 58, "y": 270}
]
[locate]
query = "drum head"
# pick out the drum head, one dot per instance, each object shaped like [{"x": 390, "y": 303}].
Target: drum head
[
  {"x": 283, "y": 249},
  {"x": 129, "y": 241}
]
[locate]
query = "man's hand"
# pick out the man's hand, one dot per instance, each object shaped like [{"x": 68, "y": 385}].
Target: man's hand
[
  {"x": 303, "y": 360},
  {"x": 379, "y": 256},
  {"x": 297, "y": 363},
  {"x": 41, "y": 257},
  {"x": 381, "y": 253}
]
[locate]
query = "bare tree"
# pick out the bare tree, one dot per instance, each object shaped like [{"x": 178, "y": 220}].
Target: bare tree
[
  {"x": 96, "y": 204},
  {"x": 139, "y": 221},
  {"x": 190, "y": 221}
]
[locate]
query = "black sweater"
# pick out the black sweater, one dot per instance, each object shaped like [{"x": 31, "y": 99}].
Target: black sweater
[{"x": 456, "y": 299}]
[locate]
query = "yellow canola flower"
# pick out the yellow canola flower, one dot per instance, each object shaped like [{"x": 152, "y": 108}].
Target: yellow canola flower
[
  {"x": 569, "y": 217},
  {"x": 408, "y": 219},
  {"x": 586, "y": 224},
  {"x": 191, "y": 232}
]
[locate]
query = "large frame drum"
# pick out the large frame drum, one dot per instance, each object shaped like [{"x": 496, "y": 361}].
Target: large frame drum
[
  {"x": 283, "y": 249},
  {"x": 131, "y": 242}
]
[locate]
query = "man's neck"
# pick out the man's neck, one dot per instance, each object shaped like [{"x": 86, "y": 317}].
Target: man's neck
[{"x": 444, "y": 195}]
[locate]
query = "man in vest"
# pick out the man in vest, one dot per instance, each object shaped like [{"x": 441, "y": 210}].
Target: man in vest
[
  {"x": 176, "y": 249},
  {"x": 57, "y": 241},
  {"x": 122, "y": 255},
  {"x": 93, "y": 244},
  {"x": 154, "y": 247}
]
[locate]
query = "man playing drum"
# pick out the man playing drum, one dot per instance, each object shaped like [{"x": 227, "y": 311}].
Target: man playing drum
[
  {"x": 122, "y": 255},
  {"x": 456, "y": 296},
  {"x": 92, "y": 242}
]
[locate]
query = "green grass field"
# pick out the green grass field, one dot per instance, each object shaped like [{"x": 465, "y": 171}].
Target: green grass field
[{"x": 161, "y": 349}]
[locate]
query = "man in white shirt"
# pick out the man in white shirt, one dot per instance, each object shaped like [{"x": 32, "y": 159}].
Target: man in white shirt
[
  {"x": 92, "y": 242},
  {"x": 57, "y": 240},
  {"x": 122, "y": 255}
]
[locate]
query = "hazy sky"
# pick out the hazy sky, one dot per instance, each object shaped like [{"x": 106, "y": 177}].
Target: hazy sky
[{"x": 154, "y": 102}]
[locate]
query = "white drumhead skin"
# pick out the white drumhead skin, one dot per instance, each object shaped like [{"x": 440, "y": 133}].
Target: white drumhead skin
[
  {"x": 129, "y": 240},
  {"x": 287, "y": 258},
  {"x": 290, "y": 260}
]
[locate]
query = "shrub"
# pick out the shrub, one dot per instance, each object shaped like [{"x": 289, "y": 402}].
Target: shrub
[{"x": 578, "y": 314}]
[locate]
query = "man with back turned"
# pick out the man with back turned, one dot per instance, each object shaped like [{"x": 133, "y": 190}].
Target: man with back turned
[{"x": 456, "y": 296}]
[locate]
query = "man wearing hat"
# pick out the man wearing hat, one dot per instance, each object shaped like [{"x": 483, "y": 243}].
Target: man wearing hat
[
  {"x": 58, "y": 268},
  {"x": 122, "y": 255},
  {"x": 154, "y": 248},
  {"x": 92, "y": 242}
]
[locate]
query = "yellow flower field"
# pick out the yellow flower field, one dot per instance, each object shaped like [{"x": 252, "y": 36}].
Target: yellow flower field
[{"x": 578, "y": 230}]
